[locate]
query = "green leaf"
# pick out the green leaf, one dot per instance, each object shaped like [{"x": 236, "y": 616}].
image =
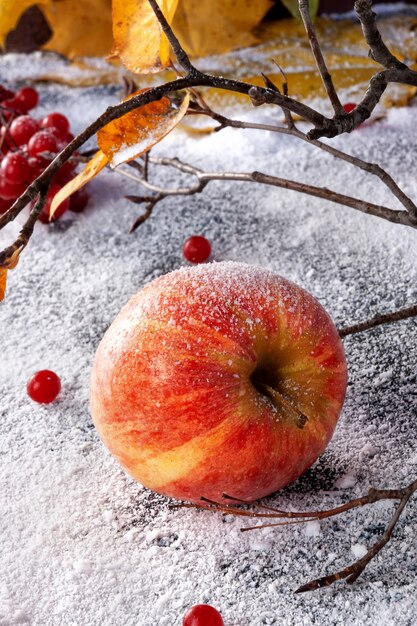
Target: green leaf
[{"x": 292, "y": 6}]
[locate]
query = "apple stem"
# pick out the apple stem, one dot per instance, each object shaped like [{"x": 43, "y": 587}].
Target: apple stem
[{"x": 279, "y": 400}]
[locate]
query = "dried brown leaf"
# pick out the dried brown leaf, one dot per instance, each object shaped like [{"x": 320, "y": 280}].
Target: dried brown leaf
[
  {"x": 10, "y": 264},
  {"x": 136, "y": 132},
  {"x": 90, "y": 171}
]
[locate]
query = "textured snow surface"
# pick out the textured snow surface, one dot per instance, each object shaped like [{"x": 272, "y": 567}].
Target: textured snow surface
[{"x": 82, "y": 544}]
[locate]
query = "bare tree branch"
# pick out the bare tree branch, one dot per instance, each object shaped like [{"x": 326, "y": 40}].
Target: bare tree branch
[
  {"x": 304, "y": 7},
  {"x": 204, "y": 177},
  {"x": 322, "y": 126},
  {"x": 378, "y": 50},
  {"x": 379, "y": 320},
  {"x": 291, "y": 129},
  {"x": 353, "y": 571},
  {"x": 349, "y": 573}
]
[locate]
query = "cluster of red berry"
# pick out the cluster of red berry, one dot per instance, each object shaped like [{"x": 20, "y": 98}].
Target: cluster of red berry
[{"x": 27, "y": 146}]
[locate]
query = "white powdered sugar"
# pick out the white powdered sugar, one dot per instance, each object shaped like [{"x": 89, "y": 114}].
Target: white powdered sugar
[{"x": 82, "y": 544}]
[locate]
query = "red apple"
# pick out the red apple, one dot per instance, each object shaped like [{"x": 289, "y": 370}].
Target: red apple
[{"x": 218, "y": 378}]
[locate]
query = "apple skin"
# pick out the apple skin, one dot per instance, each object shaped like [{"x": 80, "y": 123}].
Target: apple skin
[{"x": 218, "y": 378}]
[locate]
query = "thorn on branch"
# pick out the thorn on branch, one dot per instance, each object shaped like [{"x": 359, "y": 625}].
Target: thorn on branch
[{"x": 269, "y": 84}]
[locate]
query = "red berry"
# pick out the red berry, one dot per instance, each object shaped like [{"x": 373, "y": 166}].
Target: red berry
[
  {"x": 44, "y": 216},
  {"x": 27, "y": 97},
  {"x": 202, "y": 615},
  {"x": 79, "y": 200},
  {"x": 8, "y": 191},
  {"x": 58, "y": 123},
  {"x": 22, "y": 128},
  {"x": 196, "y": 249},
  {"x": 14, "y": 105},
  {"x": 5, "y": 205},
  {"x": 349, "y": 106},
  {"x": 44, "y": 386},
  {"x": 15, "y": 168},
  {"x": 68, "y": 138},
  {"x": 38, "y": 165},
  {"x": 5, "y": 94},
  {"x": 42, "y": 141},
  {"x": 65, "y": 172}
]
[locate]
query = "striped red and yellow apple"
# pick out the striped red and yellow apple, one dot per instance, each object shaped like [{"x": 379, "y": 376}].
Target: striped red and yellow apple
[{"x": 219, "y": 378}]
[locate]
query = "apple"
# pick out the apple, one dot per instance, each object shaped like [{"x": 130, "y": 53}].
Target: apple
[{"x": 218, "y": 378}]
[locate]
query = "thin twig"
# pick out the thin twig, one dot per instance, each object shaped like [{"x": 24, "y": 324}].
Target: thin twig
[
  {"x": 378, "y": 320},
  {"x": 349, "y": 573},
  {"x": 378, "y": 50},
  {"x": 146, "y": 165},
  {"x": 322, "y": 126},
  {"x": 182, "y": 57},
  {"x": 304, "y": 7},
  {"x": 353, "y": 571},
  {"x": 395, "y": 216},
  {"x": 145, "y": 215},
  {"x": 289, "y": 120},
  {"x": 291, "y": 129}
]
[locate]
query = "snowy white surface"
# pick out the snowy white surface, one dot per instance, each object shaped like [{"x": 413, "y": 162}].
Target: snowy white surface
[{"x": 81, "y": 543}]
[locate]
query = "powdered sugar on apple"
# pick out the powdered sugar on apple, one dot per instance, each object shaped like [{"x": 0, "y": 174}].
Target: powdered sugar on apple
[
  {"x": 81, "y": 542},
  {"x": 286, "y": 383}
]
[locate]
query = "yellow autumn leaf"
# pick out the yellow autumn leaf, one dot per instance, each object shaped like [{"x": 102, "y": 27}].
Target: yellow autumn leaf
[
  {"x": 138, "y": 38},
  {"x": 10, "y": 11},
  {"x": 80, "y": 27},
  {"x": 202, "y": 28},
  {"x": 136, "y": 132},
  {"x": 10, "y": 264},
  {"x": 3, "y": 281},
  {"x": 218, "y": 26},
  {"x": 345, "y": 51},
  {"x": 125, "y": 139},
  {"x": 90, "y": 171}
]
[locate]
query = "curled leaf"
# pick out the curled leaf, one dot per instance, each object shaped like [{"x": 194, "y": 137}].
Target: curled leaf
[
  {"x": 138, "y": 38},
  {"x": 90, "y": 171},
  {"x": 9, "y": 265},
  {"x": 136, "y": 132},
  {"x": 3, "y": 281},
  {"x": 202, "y": 27}
]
